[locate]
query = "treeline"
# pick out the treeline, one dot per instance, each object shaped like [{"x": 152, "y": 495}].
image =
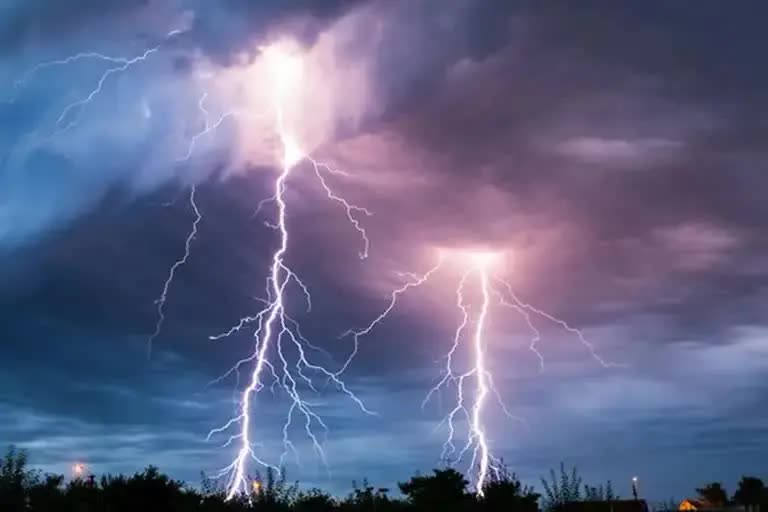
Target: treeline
[
  {"x": 751, "y": 493},
  {"x": 445, "y": 490}
]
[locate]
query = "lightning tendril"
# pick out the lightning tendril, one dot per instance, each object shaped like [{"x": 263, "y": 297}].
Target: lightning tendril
[
  {"x": 118, "y": 65},
  {"x": 161, "y": 300}
]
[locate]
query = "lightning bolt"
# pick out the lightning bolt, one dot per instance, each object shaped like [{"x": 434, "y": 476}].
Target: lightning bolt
[
  {"x": 481, "y": 454},
  {"x": 161, "y": 300},
  {"x": 475, "y": 386},
  {"x": 172, "y": 272},
  {"x": 349, "y": 208},
  {"x": 81, "y": 103},
  {"x": 119, "y": 65},
  {"x": 207, "y": 128},
  {"x": 476, "y": 442},
  {"x": 280, "y": 357},
  {"x": 356, "y": 334},
  {"x": 526, "y": 309},
  {"x": 276, "y": 334}
]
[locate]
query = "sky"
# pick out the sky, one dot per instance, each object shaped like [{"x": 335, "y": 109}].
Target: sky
[{"x": 610, "y": 151}]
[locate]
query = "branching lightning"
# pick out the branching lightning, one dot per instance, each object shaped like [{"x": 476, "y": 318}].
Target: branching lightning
[
  {"x": 356, "y": 334},
  {"x": 161, "y": 300},
  {"x": 473, "y": 386},
  {"x": 281, "y": 358},
  {"x": 207, "y": 128},
  {"x": 281, "y": 353},
  {"x": 277, "y": 335},
  {"x": 119, "y": 65},
  {"x": 78, "y": 104}
]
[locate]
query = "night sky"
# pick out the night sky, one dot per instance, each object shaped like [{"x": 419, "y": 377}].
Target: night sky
[{"x": 614, "y": 151}]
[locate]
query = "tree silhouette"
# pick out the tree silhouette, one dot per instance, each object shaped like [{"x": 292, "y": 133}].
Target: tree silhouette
[
  {"x": 15, "y": 479},
  {"x": 445, "y": 491},
  {"x": 751, "y": 492},
  {"x": 46, "y": 493},
  {"x": 504, "y": 491},
  {"x": 714, "y": 493},
  {"x": 367, "y": 498},
  {"x": 600, "y": 493},
  {"x": 315, "y": 500},
  {"x": 27, "y": 490},
  {"x": 83, "y": 495},
  {"x": 147, "y": 490},
  {"x": 273, "y": 493},
  {"x": 560, "y": 491}
]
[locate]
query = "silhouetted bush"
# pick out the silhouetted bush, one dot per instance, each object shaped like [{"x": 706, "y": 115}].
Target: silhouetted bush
[{"x": 445, "y": 490}]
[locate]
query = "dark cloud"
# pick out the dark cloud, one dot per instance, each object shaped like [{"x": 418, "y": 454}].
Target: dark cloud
[
  {"x": 221, "y": 29},
  {"x": 25, "y": 22},
  {"x": 239, "y": 25}
]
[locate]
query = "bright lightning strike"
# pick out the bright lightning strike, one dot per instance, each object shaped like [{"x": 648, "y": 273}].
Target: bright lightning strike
[
  {"x": 480, "y": 454},
  {"x": 473, "y": 386},
  {"x": 279, "y": 353},
  {"x": 477, "y": 441},
  {"x": 277, "y": 336}
]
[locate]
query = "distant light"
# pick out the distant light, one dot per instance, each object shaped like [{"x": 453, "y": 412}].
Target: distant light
[
  {"x": 634, "y": 479},
  {"x": 256, "y": 486},
  {"x": 78, "y": 469}
]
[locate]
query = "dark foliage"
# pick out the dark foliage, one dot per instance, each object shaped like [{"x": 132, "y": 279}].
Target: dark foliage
[
  {"x": 559, "y": 491},
  {"x": 751, "y": 492},
  {"x": 445, "y": 490},
  {"x": 505, "y": 492},
  {"x": 714, "y": 494}
]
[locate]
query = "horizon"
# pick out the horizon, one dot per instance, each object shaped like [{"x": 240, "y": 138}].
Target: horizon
[{"x": 82, "y": 472}]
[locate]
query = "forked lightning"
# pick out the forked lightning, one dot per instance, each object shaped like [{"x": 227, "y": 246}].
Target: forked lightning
[
  {"x": 280, "y": 350},
  {"x": 276, "y": 333},
  {"x": 281, "y": 354},
  {"x": 472, "y": 388}
]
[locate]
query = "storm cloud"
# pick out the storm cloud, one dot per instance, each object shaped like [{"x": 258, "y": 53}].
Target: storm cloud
[{"x": 614, "y": 151}]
